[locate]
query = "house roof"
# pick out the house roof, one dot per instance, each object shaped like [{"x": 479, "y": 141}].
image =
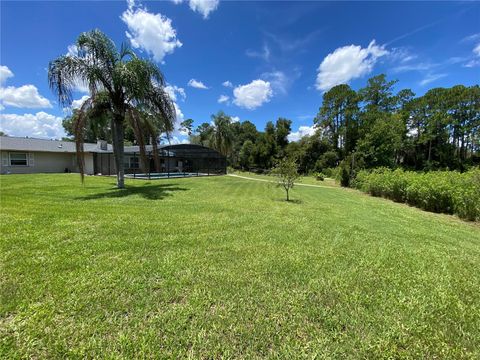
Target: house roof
[
  {"x": 41, "y": 145},
  {"x": 31, "y": 144}
]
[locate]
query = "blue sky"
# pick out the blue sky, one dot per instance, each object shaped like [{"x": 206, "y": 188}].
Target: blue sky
[{"x": 256, "y": 61}]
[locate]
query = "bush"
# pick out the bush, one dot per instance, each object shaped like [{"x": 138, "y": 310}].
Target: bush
[
  {"x": 319, "y": 176},
  {"x": 448, "y": 192},
  {"x": 344, "y": 174},
  {"x": 330, "y": 173}
]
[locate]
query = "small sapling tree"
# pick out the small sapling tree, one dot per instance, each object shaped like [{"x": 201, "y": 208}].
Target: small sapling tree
[{"x": 286, "y": 171}]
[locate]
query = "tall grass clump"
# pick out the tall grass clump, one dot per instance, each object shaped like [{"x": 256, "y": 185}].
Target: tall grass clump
[{"x": 447, "y": 192}]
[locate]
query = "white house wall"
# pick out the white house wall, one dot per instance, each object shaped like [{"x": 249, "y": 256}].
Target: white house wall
[{"x": 45, "y": 162}]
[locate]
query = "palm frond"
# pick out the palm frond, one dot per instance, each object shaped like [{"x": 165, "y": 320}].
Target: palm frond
[{"x": 136, "y": 121}]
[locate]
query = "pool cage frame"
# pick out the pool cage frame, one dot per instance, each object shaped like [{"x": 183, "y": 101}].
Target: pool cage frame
[{"x": 180, "y": 160}]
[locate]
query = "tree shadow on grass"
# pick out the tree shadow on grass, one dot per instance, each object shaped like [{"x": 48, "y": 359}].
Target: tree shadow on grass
[
  {"x": 291, "y": 201},
  {"x": 147, "y": 191}
]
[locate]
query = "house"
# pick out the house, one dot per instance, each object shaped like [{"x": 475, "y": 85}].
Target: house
[{"x": 28, "y": 155}]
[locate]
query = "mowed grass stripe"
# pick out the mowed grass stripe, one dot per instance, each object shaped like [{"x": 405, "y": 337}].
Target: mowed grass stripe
[{"x": 210, "y": 267}]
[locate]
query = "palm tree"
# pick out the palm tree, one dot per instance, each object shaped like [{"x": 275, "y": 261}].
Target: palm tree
[
  {"x": 221, "y": 137},
  {"x": 121, "y": 84}
]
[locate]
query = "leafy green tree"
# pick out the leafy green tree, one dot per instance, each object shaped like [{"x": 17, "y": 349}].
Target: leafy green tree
[
  {"x": 286, "y": 171},
  {"x": 130, "y": 83},
  {"x": 186, "y": 125},
  {"x": 246, "y": 154},
  {"x": 283, "y": 127},
  {"x": 95, "y": 128},
  {"x": 337, "y": 117},
  {"x": 221, "y": 138},
  {"x": 202, "y": 134}
]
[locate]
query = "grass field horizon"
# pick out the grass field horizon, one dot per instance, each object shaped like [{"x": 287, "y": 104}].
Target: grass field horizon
[{"x": 224, "y": 267}]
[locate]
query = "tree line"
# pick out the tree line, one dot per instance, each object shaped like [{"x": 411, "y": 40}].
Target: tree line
[{"x": 369, "y": 128}]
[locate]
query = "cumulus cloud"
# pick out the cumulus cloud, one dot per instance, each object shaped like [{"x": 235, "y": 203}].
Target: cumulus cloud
[
  {"x": 252, "y": 95},
  {"x": 235, "y": 119},
  {"x": 204, "y": 7},
  {"x": 41, "y": 125},
  {"x": 177, "y": 93},
  {"x": 76, "y": 104},
  {"x": 302, "y": 131},
  {"x": 25, "y": 96},
  {"x": 223, "y": 99},
  {"x": 197, "y": 84},
  {"x": 5, "y": 73},
  {"x": 227, "y": 84},
  {"x": 347, "y": 63},
  {"x": 173, "y": 91},
  {"x": 152, "y": 33}
]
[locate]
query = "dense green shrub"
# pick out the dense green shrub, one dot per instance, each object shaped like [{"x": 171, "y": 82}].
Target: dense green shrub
[
  {"x": 448, "y": 192},
  {"x": 319, "y": 176},
  {"x": 344, "y": 174}
]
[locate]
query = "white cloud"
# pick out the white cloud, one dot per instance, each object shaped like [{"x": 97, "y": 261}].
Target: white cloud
[
  {"x": 40, "y": 125},
  {"x": 253, "y": 95},
  {"x": 347, "y": 63},
  {"x": 5, "y": 73},
  {"x": 72, "y": 50},
  {"x": 235, "y": 119},
  {"x": 173, "y": 90},
  {"x": 179, "y": 115},
  {"x": 204, "y": 7},
  {"x": 197, "y": 84},
  {"x": 25, "y": 96},
  {"x": 223, "y": 99},
  {"x": 431, "y": 78},
  {"x": 420, "y": 66},
  {"x": 470, "y": 38},
  {"x": 175, "y": 94},
  {"x": 76, "y": 104},
  {"x": 280, "y": 81},
  {"x": 472, "y": 63},
  {"x": 476, "y": 50},
  {"x": 227, "y": 84},
  {"x": 401, "y": 55},
  {"x": 152, "y": 33},
  {"x": 302, "y": 131},
  {"x": 476, "y": 60},
  {"x": 263, "y": 54},
  {"x": 179, "y": 140}
]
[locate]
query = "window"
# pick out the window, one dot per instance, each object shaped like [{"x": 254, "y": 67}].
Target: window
[
  {"x": 131, "y": 162},
  {"x": 18, "y": 159}
]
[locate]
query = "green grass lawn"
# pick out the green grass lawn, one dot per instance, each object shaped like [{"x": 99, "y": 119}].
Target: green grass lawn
[
  {"x": 222, "y": 267},
  {"x": 311, "y": 180}
]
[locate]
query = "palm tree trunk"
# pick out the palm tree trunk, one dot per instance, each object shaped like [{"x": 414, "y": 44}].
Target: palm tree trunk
[
  {"x": 118, "y": 150},
  {"x": 156, "y": 157}
]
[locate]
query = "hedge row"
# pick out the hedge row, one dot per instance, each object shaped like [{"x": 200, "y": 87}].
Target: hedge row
[{"x": 448, "y": 192}]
